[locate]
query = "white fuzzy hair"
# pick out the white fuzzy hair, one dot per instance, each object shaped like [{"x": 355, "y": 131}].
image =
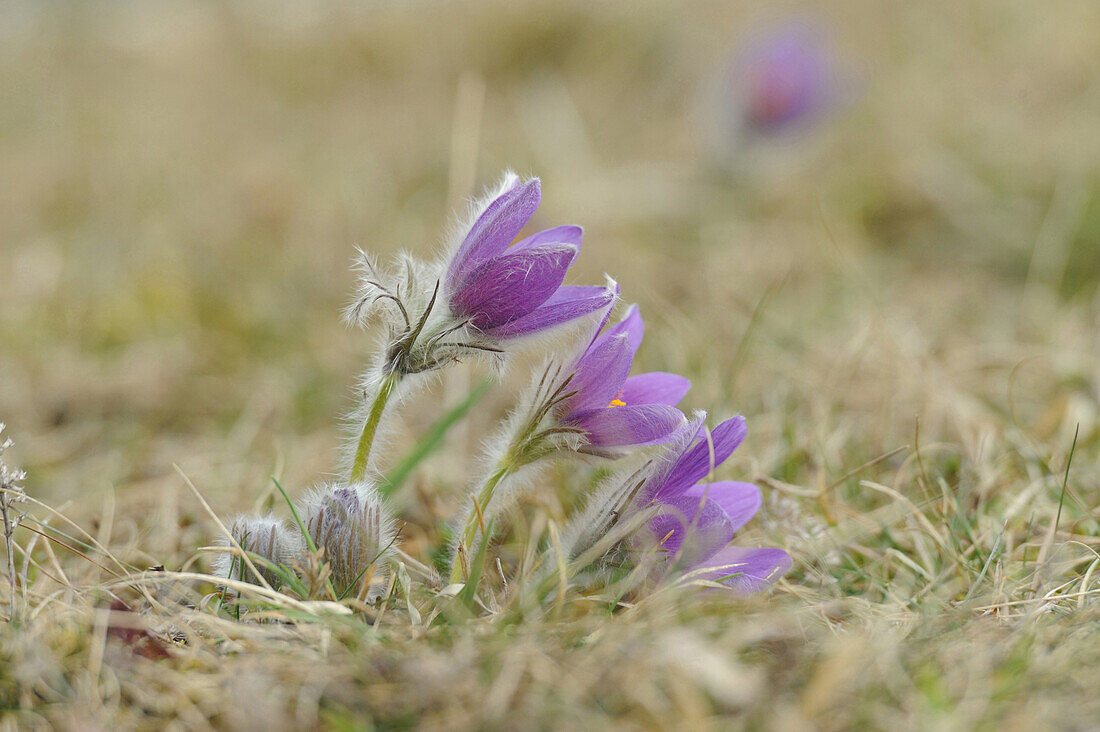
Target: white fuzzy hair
[
  {"x": 265, "y": 536},
  {"x": 461, "y": 223},
  {"x": 356, "y": 531},
  {"x": 504, "y": 437},
  {"x": 609, "y": 503}
]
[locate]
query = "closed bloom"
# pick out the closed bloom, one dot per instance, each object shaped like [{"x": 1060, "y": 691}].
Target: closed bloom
[
  {"x": 354, "y": 528},
  {"x": 614, "y": 409},
  {"x": 696, "y": 521},
  {"x": 267, "y": 538}
]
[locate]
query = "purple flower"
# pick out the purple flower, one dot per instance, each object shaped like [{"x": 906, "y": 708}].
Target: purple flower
[
  {"x": 747, "y": 569},
  {"x": 612, "y": 408},
  {"x": 786, "y": 78},
  {"x": 696, "y": 521},
  {"x": 508, "y": 290}
]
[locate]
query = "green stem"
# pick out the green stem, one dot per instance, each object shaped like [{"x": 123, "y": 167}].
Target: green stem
[
  {"x": 484, "y": 496},
  {"x": 370, "y": 429}
]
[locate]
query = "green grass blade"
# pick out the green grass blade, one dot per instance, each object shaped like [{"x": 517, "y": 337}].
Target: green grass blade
[
  {"x": 469, "y": 591},
  {"x": 1065, "y": 479},
  {"x": 294, "y": 513},
  {"x": 302, "y": 528}
]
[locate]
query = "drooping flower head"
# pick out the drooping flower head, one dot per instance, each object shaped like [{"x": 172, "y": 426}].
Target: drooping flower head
[
  {"x": 696, "y": 521},
  {"x": 354, "y": 528},
  {"x": 614, "y": 409}
]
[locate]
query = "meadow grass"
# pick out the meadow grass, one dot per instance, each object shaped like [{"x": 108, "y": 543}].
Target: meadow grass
[{"x": 903, "y": 305}]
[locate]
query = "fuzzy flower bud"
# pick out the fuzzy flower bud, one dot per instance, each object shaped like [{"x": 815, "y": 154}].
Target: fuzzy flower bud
[
  {"x": 354, "y": 528},
  {"x": 265, "y": 537}
]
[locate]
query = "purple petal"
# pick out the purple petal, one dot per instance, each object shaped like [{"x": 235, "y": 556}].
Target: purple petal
[
  {"x": 557, "y": 235},
  {"x": 680, "y": 441},
  {"x": 697, "y": 462},
  {"x": 494, "y": 230},
  {"x": 740, "y": 501},
  {"x": 614, "y": 286},
  {"x": 603, "y": 367},
  {"x": 747, "y": 569},
  {"x": 655, "y": 387},
  {"x": 727, "y": 436},
  {"x": 567, "y": 303},
  {"x": 632, "y": 326},
  {"x": 691, "y": 530},
  {"x": 598, "y": 376},
  {"x": 643, "y": 424},
  {"x": 512, "y": 285},
  {"x": 348, "y": 499}
]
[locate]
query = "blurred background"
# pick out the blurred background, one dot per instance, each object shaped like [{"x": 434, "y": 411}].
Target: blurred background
[{"x": 837, "y": 217}]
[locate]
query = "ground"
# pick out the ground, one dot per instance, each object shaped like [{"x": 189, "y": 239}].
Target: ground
[{"x": 901, "y": 299}]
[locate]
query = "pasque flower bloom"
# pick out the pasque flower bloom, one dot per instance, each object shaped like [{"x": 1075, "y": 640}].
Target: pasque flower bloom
[
  {"x": 613, "y": 409},
  {"x": 767, "y": 105},
  {"x": 508, "y": 290},
  {"x": 696, "y": 521},
  {"x": 484, "y": 293},
  {"x": 594, "y": 407}
]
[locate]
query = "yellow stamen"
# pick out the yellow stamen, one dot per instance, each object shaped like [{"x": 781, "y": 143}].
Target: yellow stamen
[{"x": 616, "y": 403}]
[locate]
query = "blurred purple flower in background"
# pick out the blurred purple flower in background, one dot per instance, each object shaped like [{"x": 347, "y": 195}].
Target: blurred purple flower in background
[
  {"x": 785, "y": 79},
  {"x": 696, "y": 521},
  {"x": 779, "y": 85},
  {"x": 507, "y": 290},
  {"x": 612, "y": 408}
]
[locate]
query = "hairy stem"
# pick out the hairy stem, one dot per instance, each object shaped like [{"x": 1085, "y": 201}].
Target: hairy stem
[{"x": 370, "y": 429}]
